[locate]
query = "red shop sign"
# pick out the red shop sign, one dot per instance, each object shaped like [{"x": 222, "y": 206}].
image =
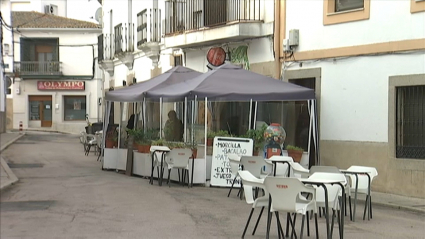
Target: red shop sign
[
  {"x": 60, "y": 85},
  {"x": 216, "y": 56}
]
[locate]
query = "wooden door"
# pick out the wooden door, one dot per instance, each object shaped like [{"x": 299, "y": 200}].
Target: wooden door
[{"x": 45, "y": 109}]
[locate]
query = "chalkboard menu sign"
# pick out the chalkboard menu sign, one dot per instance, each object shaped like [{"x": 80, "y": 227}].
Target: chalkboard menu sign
[{"x": 221, "y": 173}]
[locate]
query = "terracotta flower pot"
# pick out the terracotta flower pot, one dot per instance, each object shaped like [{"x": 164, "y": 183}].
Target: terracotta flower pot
[
  {"x": 110, "y": 143},
  {"x": 295, "y": 154},
  {"x": 195, "y": 152},
  {"x": 143, "y": 148}
]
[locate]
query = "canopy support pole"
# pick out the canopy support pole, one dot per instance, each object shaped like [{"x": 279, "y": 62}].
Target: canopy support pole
[
  {"x": 310, "y": 127},
  {"x": 250, "y": 115},
  {"x": 160, "y": 118},
  {"x": 144, "y": 115},
  {"x": 193, "y": 119},
  {"x": 255, "y": 115},
  {"x": 105, "y": 125},
  {"x": 206, "y": 128},
  {"x": 185, "y": 120},
  {"x": 120, "y": 127}
]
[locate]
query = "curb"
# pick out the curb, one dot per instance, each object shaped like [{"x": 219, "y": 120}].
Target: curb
[
  {"x": 12, "y": 177},
  {"x": 11, "y": 142},
  {"x": 395, "y": 206},
  {"x": 41, "y": 130}
]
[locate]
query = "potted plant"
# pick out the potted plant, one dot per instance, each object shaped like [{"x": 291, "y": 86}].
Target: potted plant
[
  {"x": 159, "y": 142},
  {"x": 111, "y": 139},
  {"x": 257, "y": 135},
  {"x": 210, "y": 137},
  {"x": 295, "y": 152}
]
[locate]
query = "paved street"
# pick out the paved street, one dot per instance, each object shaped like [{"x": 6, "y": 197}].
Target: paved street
[{"x": 63, "y": 194}]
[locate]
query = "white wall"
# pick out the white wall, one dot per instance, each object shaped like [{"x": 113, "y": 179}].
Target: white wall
[
  {"x": 29, "y": 87},
  {"x": 76, "y": 60},
  {"x": 390, "y": 20},
  {"x": 354, "y": 94}
]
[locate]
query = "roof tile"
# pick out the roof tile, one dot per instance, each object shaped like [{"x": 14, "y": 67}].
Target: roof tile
[{"x": 41, "y": 20}]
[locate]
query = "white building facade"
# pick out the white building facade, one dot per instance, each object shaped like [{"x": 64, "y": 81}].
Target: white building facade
[
  {"x": 156, "y": 35},
  {"x": 57, "y": 82},
  {"x": 367, "y": 63}
]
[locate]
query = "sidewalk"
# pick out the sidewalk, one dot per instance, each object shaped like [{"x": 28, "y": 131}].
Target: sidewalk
[
  {"x": 7, "y": 177},
  {"x": 384, "y": 199}
]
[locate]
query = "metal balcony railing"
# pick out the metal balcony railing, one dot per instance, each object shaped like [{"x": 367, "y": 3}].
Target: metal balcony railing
[
  {"x": 106, "y": 47},
  {"x": 37, "y": 68},
  {"x": 148, "y": 26},
  {"x": 124, "y": 38},
  {"x": 185, "y": 15}
]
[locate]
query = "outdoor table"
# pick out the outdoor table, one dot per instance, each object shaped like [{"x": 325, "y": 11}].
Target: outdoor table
[
  {"x": 274, "y": 160},
  {"x": 158, "y": 149},
  {"x": 322, "y": 183},
  {"x": 368, "y": 202}
]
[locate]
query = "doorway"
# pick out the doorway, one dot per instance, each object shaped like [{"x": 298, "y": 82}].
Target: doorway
[
  {"x": 303, "y": 119},
  {"x": 41, "y": 109}
]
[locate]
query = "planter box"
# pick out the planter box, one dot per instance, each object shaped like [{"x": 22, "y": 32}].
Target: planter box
[
  {"x": 143, "y": 162},
  {"x": 115, "y": 159}
]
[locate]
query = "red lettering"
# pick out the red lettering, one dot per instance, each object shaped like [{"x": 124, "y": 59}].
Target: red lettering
[{"x": 281, "y": 186}]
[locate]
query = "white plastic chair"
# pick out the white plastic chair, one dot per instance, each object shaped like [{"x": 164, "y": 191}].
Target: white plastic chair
[
  {"x": 363, "y": 187},
  {"x": 334, "y": 191},
  {"x": 89, "y": 140},
  {"x": 234, "y": 161},
  {"x": 298, "y": 170},
  {"x": 285, "y": 198},
  {"x": 250, "y": 182},
  {"x": 179, "y": 159},
  {"x": 253, "y": 164}
]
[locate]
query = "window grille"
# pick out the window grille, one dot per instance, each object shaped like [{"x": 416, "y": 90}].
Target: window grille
[{"x": 410, "y": 122}]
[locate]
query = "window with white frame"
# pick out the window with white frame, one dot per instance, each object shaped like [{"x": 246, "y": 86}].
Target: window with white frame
[
  {"x": 410, "y": 122},
  {"x": 346, "y": 5}
]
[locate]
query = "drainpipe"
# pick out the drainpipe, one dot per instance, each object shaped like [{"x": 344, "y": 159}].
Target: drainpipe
[
  {"x": 276, "y": 38},
  {"x": 130, "y": 17}
]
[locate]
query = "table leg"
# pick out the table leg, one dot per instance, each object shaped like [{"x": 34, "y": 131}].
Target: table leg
[
  {"x": 355, "y": 197},
  {"x": 369, "y": 202},
  {"x": 161, "y": 172},
  {"x": 342, "y": 211},
  {"x": 193, "y": 163},
  {"x": 328, "y": 235},
  {"x": 151, "y": 180}
]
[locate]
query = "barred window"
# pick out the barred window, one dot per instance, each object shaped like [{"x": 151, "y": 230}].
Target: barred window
[{"x": 410, "y": 122}]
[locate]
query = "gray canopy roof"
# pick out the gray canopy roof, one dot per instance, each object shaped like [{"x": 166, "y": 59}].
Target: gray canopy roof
[
  {"x": 232, "y": 83},
  {"x": 136, "y": 92}
]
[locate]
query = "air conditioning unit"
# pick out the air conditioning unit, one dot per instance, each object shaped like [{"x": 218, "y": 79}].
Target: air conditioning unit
[{"x": 51, "y": 9}]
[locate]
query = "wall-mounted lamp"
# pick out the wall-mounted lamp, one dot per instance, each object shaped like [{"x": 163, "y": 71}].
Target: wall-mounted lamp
[{"x": 6, "y": 48}]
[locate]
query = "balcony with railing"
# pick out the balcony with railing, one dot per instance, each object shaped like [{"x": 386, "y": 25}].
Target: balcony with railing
[
  {"x": 106, "y": 52},
  {"x": 124, "y": 43},
  {"x": 204, "y": 21},
  {"x": 149, "y": 33},
  {"x": 32, "y": 69}
]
